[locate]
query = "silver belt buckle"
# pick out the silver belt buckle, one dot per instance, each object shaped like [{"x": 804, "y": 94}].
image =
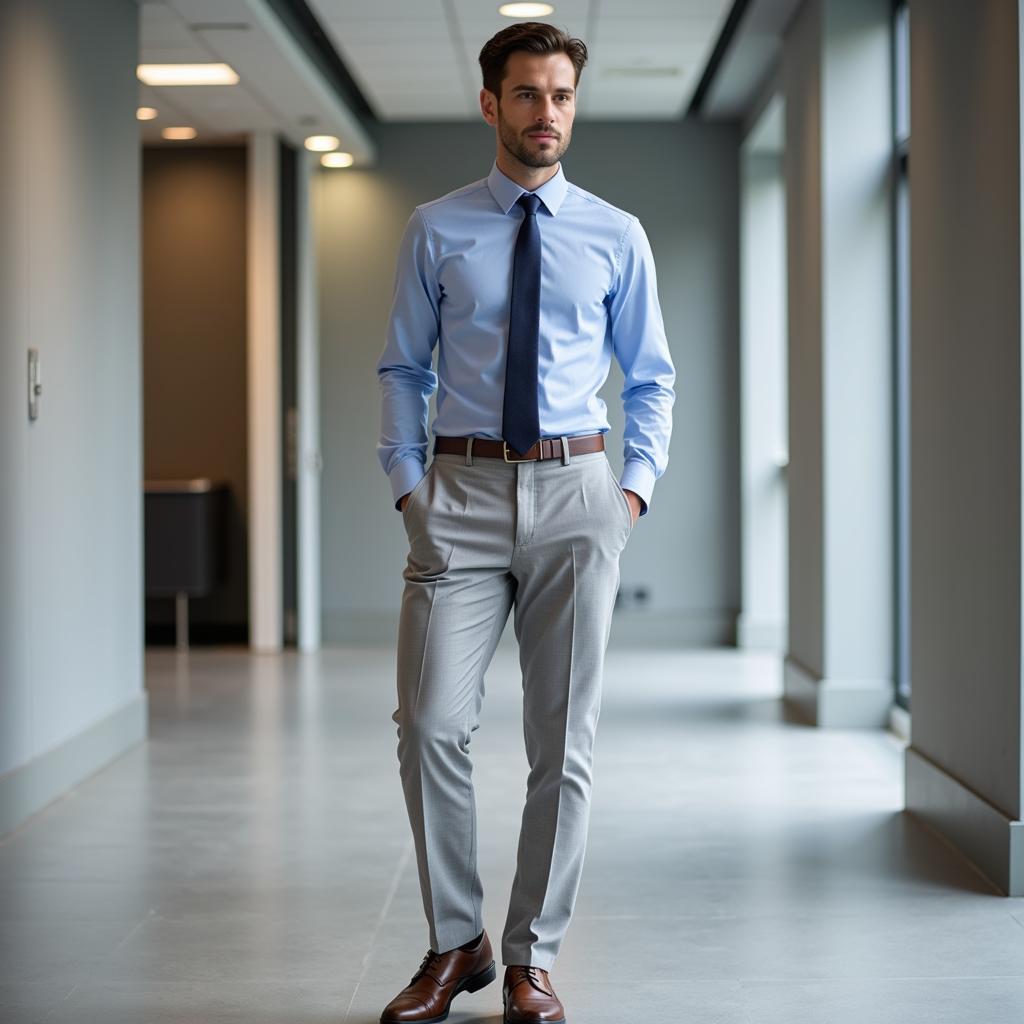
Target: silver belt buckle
[{"x": 504, "y": 452}]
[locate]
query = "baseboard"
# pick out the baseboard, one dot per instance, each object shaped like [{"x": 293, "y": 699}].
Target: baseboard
[
  {"x": 30, "y": 787},
  {"x": 837, "y": 703},
  {"x": 900, "y": 722},
  {"x": 761, "y": 634},
  {"x": 200, "y": 634},
  {"x": 992, "y": 842}
]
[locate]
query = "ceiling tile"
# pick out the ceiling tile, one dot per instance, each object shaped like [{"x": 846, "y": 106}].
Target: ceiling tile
[
  {"x": 478, "y": 30},
  {"x": 660, "y": 31},
  {"x": 375, "y": 10},
  {"x": 454, "y": 96},
  {"x": 418, "y": 59},
  {"x": 565, "y": 10},
  {"x": 207, "y": 12},
  {"x": 665, "y": 8},
  {"x": 403, "y": 58},
  {"x": 174, "y": 55},
  {"x": 422, "y": 31},
  {"x": 645, "y": 55}
]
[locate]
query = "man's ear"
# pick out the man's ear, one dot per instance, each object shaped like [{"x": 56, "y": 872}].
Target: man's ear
[{"x": 489, "y": 106}]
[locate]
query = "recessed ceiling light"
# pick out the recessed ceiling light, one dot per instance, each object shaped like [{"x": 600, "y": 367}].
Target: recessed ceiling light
[
  {"x": 146, "y": 113},
  {"x": 337, "y": 159},
  {"x": 187, "y": 74},
  {"x": 179, "y": 133},
  {"x": 526, "y": 10},
  {"x": 322, "y": 143}
]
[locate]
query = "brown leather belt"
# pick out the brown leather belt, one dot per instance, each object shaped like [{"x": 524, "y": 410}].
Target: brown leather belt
[{"x": 545, "y": 448}]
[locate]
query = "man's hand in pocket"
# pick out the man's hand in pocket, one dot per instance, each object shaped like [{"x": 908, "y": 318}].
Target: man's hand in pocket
[{"x": 633, "y": 500}]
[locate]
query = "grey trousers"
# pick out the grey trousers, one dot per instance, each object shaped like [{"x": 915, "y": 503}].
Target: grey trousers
[{"x": 486, "y": 536}]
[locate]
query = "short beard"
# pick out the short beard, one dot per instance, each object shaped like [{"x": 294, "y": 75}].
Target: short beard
[{"x": 517, "y": 147}]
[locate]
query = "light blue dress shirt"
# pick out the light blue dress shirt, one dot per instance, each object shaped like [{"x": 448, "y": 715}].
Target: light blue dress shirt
[{"x": 453, "y": 290}]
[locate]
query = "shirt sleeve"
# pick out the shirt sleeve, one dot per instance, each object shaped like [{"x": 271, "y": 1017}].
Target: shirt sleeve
[
  {"x": 405, "y": 367},
  {"x": 640, "y": 346}
]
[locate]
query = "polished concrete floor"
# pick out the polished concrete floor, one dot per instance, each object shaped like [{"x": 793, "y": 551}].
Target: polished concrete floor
[{"x": 251, "y": 862}]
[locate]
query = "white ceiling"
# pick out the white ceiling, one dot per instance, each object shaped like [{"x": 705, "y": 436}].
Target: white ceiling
[
  {"x": 278, "y": 89},
  {"x": 417, "y": 59}
]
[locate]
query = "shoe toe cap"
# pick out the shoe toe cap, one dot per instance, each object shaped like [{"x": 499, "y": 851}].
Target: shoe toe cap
[{"x": 403, "y": 1008}]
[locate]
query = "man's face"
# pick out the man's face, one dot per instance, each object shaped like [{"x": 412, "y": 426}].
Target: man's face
[{"x": 534, "y": 116}]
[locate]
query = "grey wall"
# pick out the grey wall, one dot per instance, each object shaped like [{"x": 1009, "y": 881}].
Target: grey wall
[
  {"x": 763, "y": 400},
  {"x": 965, "y": 763},
  {"x": 681, "y": 180},
  {"x": 194, "y": 330},
  {"x": 71, "y": 681},
  {"x": 838, "y": 157},
  {"x": 802, "y": 83}
]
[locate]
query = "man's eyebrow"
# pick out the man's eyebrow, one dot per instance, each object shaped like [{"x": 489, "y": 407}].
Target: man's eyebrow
[{"x": 534, "y": 88}]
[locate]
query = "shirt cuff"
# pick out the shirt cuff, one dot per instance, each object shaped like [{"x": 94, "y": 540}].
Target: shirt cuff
[
  {"x": 639, "y": 478},
  {"x": 404, "y": 477}
]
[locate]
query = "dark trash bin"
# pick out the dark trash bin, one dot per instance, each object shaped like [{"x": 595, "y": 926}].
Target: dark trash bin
[{"x": 185, "y": 529}]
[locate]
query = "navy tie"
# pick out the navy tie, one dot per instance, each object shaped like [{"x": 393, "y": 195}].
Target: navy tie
[{"x": 520, "y": 420}]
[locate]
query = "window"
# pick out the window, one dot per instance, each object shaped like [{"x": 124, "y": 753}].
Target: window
[{"x": 901, "y": 397}]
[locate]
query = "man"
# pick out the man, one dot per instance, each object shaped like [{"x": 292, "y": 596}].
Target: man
[{"x": 528, "y": 285}]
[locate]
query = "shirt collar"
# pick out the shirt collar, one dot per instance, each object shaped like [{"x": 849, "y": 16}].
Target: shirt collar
[{"x": 506, "y": 192}]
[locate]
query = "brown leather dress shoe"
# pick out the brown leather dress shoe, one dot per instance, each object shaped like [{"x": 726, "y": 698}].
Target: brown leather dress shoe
[
  {"x": 437, "y": 981},
  {"x": 529, "y": 998}
]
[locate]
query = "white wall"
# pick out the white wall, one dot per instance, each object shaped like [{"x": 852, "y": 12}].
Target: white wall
[
  {"x": 965, "y": 765},
  {"x": 764, "y": 440},
  {"x": 838, "y": 154},
  {"x": 71, "y": 681}
]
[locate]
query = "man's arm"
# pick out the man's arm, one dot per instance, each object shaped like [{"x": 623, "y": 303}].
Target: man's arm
[
  {"x": 404, "y": 370},
  {"x": 640, "y": 345}
]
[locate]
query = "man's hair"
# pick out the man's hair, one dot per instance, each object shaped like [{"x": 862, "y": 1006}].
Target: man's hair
[{"x": 533, "y": 37}]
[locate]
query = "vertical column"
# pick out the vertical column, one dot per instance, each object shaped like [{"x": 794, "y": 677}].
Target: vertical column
[
  {"x": 309, "y": 456},
  {"x": 838, "y": 152},
  {"x": 762, "y": 623},
  {"x": 264, "y": 402},
  {"x": 964, "y": 765}
]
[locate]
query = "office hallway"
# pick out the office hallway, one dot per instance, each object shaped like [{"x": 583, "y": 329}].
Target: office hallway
[{"x": 252, "y": 861}]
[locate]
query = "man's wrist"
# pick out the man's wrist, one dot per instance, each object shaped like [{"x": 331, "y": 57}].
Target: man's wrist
[
  {"x": 638, "y": 477},
  {"x": 404, "y": 477}
]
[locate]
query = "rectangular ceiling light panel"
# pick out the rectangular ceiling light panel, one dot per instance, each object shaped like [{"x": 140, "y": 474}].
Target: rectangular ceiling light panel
[{"x": 187, "y": 74}]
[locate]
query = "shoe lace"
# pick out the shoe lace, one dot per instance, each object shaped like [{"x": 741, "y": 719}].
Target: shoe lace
[
  {"x": 428, "y": 961},
  {"x": 531, "y": 974}
]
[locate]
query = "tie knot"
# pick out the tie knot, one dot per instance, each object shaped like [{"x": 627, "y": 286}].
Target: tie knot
[{"x": 529, "y": 202}]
